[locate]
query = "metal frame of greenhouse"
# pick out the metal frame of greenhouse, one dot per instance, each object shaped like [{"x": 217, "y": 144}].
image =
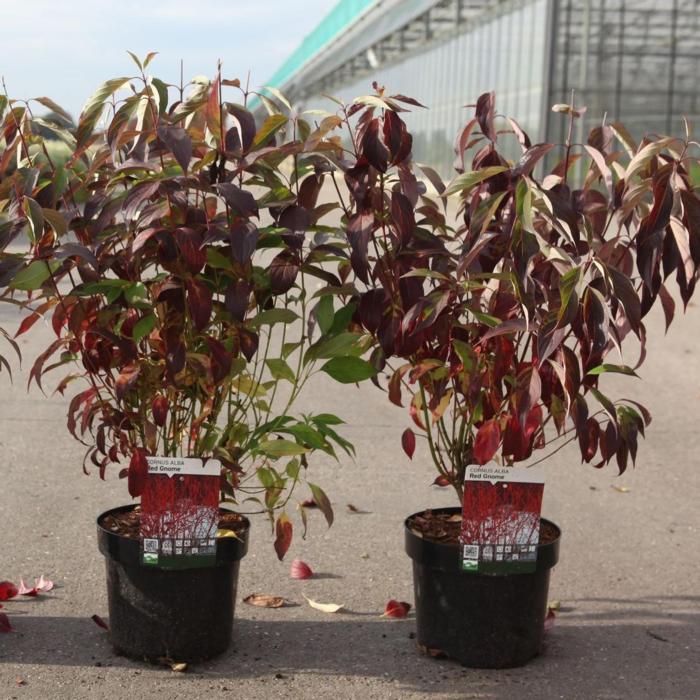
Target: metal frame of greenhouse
[{"x": 629, "y": 60}]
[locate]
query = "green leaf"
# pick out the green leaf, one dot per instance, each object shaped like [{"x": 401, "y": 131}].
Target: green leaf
[
  {"x": 619, "y": 369},
  {"x": 272, "y": 124},
  {"x": 567, "y": 285},
  {"x": 35, "y": 215},
  {"x": 335, "y": 346},
  {"x": 272, "y": 316},
  {"x": 93, "y": 108},
  {"x": 281, "y": 448},
  {"x": 143, "y": 327},
  {"x": 348, "y": 370},
  {"x": 466, "y": 181},
  {"x": 34, "y": 275},
  {"x": 280, "y": 369},
  {"x": 274, "y": 91},
  {"x": 324, "y": 313},
  {"x": 137, "y": 295}
]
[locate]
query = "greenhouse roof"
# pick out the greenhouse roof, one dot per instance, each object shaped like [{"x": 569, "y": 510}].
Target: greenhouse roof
[{"x": 339, "y": 18}]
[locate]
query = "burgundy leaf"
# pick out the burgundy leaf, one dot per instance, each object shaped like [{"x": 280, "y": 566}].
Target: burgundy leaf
[
  {"x": 241, "y": 201},
  {"x": 100, "y": 622},
  {"x": 199, "y": 303},
  {"x": 283, "y": 272},
  {"x": 408, "y": 442},
  {"x": 138, "y": 469},
  {"x": 283, "y": 535},
  {"x": 160, "y": 407},
  {"x": 177, "y": 142},
  {"x": 402, "y": 214},
  {"x": 488, "y": 438},
  {"x": 372, "y": 147},
  {"x": 127, "y": 380},
  {"x": 5, "y": 625},
  {"x": 300, "y": 570},
  {"x": 485, "y": 108},
  {"x": 249, "y": 343}
]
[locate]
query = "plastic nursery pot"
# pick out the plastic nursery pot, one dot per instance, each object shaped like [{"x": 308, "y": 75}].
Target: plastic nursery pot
[
  {"x": 154, "y": 613},
  {"x": 482, "y": 621}
]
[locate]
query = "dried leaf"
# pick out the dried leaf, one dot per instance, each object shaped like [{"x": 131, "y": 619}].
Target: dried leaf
[
  {"x": 553, "y": 605},
  {"x": 179, "y": 667},
  {"x": 227, "y": 533},
  {"x": 300, "y": 570},
  {"x": 353, "y": 509},
  {"x": 396, "y": 609},
  {"x": 24, "y": 589},
  {"x": 262, "y": 600},
  {"x": 43, "y": 585},
  {"x": 324, "y": 607},
  {"x": 621, "y": 489}
]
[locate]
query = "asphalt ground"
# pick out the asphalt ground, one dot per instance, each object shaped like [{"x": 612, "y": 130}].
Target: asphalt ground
[{"x": 627, "y": 581}]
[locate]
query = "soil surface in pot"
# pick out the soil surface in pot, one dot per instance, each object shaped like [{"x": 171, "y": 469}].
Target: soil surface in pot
[
  {"x": 127, "y": 524},
  {"x": 446, "y": 527}
]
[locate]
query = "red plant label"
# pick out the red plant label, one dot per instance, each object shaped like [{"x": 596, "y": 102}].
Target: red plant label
[
  {"x": 501, "y": 519},
  {"x": 180, "y": 512}
]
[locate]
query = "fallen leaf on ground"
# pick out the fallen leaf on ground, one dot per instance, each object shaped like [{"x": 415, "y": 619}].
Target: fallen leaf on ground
[
  {"x": 553, "y": 605},
  {"x": 5, "y": 625},
  {"x": 300, "y": 570},
  {"x": 309, "y": 503},
  {"x": 20, "y": 681},
  {"x": 179, "y": 668},
  {"x": 653, "y": 635},
  {"x": 621, "y": 489},
  {"x": 396, "y": 609},
  {"x": 549, "y": 621},
  {"x": 433, "y": 653},
  {"x": 262, "y": 600},
  {"x": 100, "y": 622},
  {"x": 43, "y": 584},
  {"x": 456, "y": 518},
  {"x": 324, "y": 607},
  {"x": 7, "y": 590},
  {"x": 25, "y": 590},
  {"x": 352, "y": 508}
]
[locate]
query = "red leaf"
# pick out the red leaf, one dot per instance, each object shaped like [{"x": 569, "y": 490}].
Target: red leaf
[
  {"x": 487, "y": 440},
  {"x": 372, "y": 147},
  {"x": 396, "y": 609},
  {"x": 100, "y": 622},
  {"x": 7, "y": 590},
  {"x": 283, "y": 531},
  {"x": 441, "y": 481},
  {"x": 5, "y": 625},
  {"x": 408, "y": 442},
  {"x": 300, "y": 570},
  {"x": 138, "y": 469},
  {"x": 283, "y": 271}
]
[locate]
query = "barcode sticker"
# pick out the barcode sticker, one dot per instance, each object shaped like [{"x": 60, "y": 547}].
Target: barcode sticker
[{"x": 471, "y": 551}]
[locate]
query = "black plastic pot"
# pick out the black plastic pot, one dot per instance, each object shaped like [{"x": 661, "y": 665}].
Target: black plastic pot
[
  {"x": 183, "y": 615},
  {"x": 482, "y": 621}
]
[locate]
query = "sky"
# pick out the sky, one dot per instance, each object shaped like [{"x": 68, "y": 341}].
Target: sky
[{"x": 65, "y": 49}]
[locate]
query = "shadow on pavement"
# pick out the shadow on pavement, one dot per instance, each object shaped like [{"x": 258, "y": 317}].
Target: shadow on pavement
[{"x": 599, "y": 648}]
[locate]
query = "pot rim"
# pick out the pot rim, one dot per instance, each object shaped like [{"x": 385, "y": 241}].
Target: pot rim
[
  {"x": 445, "y": 556},
  {"x": 127, "y": 551}
]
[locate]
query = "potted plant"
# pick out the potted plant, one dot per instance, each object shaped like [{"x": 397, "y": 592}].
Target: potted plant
[
  {"x": 497, "y": 325},
  {"x": 171, "y": 262}
]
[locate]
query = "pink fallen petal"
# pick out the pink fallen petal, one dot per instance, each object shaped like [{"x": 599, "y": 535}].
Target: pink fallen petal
[
  {"x": 5, "y": 625},
  {"x": 549, "y": 620},
  {"x": 43, "y": 584},
  {"x": 25, "y": 590},
  {"x": 100, "y": 622},
  {"x": 7, "y": 590},
  {"x": 396, "y": 609},
  {"x": 300, "y": 570}
]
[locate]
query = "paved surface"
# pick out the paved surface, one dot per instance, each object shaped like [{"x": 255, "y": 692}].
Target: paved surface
[{"x": 628, "y": 578}]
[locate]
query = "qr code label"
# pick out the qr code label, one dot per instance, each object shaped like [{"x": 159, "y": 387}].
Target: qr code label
[
  {"x": 471, "y": 551},
  {"x": 150, "y": 546}
]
